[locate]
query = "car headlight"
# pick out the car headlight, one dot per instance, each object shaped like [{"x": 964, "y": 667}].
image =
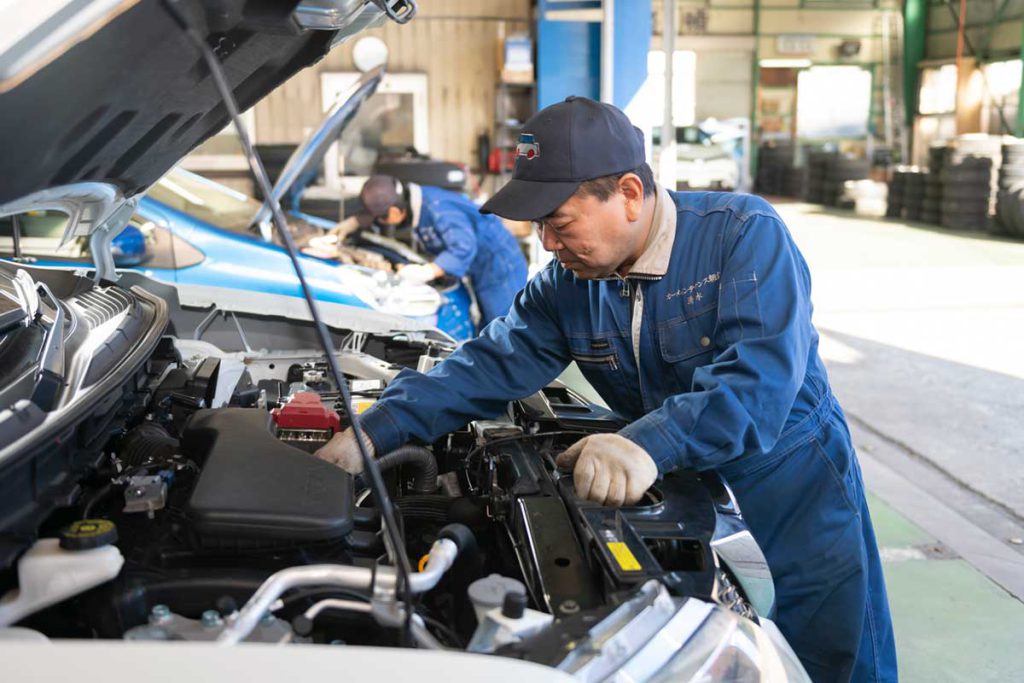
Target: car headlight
[
  {"x": 728, "y": 647},
  {"x": 655, "y": 638}
]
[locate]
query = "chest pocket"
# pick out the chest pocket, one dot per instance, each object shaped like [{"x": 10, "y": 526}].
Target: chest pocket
[
  {"x": 601, "y": 361},
  {"x": 598, "y": 352},
  {"x": 688, "y": 338}
]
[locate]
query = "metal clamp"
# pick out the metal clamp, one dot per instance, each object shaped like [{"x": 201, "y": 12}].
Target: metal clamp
[{"x": 398, "y": 11}]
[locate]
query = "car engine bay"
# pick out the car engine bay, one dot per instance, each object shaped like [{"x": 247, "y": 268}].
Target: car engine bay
[
  {"x": 189, "y": 488},
  {"x": 204, "y": 484}
]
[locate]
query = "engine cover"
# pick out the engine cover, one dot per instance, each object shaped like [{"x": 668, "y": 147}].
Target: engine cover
[{"x": 255, "y": 487}]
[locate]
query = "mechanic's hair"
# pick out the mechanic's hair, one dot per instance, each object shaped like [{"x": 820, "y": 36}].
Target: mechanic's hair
[
  {"x": 381, "y": 192},
  {"x": 606, "y": 186}
]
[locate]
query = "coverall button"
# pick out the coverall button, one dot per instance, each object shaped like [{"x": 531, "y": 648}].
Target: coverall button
[{"x": 705, "y": 341}]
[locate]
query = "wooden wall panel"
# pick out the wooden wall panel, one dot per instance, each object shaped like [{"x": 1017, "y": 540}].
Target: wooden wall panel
[{"x": 454, "y": 42}]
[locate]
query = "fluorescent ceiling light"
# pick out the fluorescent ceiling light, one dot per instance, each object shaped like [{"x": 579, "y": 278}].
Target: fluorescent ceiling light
[{"x": 785, "y": 63}]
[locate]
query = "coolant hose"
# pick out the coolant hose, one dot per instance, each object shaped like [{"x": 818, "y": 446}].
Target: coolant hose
[{"x": 420, "y": 460}]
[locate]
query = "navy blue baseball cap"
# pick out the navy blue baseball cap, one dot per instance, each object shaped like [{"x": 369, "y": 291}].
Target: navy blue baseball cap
[{"x": 560, "y": 147}]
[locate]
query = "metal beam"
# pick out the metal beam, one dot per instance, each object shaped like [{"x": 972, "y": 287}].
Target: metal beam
[
  {"x": 1020, "y": 96},
  {"x": 755, "y": 86},
  {"x": 996, "y": 19},
  {"x": 666, "y": 157},
  {"x": 915, "y": 26},
  {"x": 608, "y": 51},
  {"x": 955, "y": 13}
]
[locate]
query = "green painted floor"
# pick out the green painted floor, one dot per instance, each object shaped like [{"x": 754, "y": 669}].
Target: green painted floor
[{"x": 952, "y": 623}]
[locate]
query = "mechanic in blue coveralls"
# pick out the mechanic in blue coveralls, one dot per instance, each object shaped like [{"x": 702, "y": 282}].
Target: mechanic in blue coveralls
[
  {"x": 462, "y": 241},
  {"x": 690, "y": 313}
]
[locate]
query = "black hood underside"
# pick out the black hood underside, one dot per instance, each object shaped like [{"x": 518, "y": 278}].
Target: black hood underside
[{"x": 125, "y": 104}]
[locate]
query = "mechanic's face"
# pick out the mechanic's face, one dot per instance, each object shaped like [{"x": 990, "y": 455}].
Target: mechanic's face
[
  {"x": 592, "y": 238},
  {"x": 393, "y": 217}
]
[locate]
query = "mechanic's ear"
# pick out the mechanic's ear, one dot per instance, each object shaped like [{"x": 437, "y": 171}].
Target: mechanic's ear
[{"x": 632, "y": 189}]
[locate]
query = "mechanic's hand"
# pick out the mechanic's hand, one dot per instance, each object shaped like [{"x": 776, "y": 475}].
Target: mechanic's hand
[
  {"x": 345, "y": 228},
  {"x": 343, "y": 451},
  {"x": 609, "y": 469},
  {"x": 418, "y": 273}
]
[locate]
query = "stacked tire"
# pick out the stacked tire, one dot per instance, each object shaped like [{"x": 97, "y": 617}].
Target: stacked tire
[
  {"x": 794, "y": 181},
  {"x": 966, "y": 194},
  {"x": 931, "y": 206},
  {"x": 772, "y": 164},
  {"x": 914, "y": 185},
  {"x": 898, "y": 191},
  {"x": 974, "y": 162},
  {"x": 818, "y": 165},
  {"x": 842, "y": 169},
  {"x": 1010, "y": 196}
]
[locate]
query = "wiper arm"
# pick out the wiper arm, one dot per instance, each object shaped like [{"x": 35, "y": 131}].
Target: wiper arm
[{"x": 50, "y": 374}]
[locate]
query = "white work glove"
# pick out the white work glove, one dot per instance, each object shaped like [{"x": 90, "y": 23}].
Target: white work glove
[
  {"x": 343, "y": 451},
  {"x": 418, "y": 273},
  {"x": 344, "y": 228},
  {"x": 609, "y": 469}
]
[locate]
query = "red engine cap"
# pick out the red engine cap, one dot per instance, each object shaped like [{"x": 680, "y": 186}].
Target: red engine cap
[{"x": 305, "y": 410}]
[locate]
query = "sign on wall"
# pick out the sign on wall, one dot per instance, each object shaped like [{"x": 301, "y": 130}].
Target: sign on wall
[{"x": 795, "y": 44}]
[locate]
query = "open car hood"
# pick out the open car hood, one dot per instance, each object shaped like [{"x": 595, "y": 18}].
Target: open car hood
[
  {"x": 303, "y": 163},
  {"x": 99, "y": 99}
]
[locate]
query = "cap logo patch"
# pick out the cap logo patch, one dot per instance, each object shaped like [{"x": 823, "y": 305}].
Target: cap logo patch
[{"x": 527, "y": 147}]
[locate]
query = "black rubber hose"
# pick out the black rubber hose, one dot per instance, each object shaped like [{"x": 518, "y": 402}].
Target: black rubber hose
[
  {"x": 423, "y": 507},
  {"x": 149, "y": 442},
  {"x": 105, "y": 491},
  {"x": 420, "y": 460}
]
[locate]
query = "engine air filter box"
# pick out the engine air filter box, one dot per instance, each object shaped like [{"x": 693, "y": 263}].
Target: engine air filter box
[{"x": 254, "y": 487}]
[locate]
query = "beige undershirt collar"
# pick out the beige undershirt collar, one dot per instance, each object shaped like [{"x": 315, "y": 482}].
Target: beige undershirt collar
[{"x": 658, "y": 250}]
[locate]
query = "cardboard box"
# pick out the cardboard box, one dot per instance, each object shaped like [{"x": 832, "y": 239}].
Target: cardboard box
[{"x": 517, "y": 76}]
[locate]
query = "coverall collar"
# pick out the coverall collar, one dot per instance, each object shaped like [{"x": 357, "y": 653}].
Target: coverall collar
[{"x": 415, "y": 203}]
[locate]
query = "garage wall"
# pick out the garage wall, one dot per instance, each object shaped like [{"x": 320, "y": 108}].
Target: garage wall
[
  {"x": 1002, "y": 38},
  {"x": 992, "y": 34},
  {"x": 774, "y": 18},
  {"x": 727, "y": 33},
  {"x": 454, "y": 42},
  {"x": 723, "y": 83}
]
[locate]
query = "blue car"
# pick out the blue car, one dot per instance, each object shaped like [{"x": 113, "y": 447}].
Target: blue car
[
  {"x": 222, "y": 247},
  {"x": 189, "y": 230},
  {"x": 209, "y": 245}
]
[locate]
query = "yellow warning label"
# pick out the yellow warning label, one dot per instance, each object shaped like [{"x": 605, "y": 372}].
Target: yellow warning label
[
  {"x": 361, "y": 404},
  {"x": 624, "y": 556}
]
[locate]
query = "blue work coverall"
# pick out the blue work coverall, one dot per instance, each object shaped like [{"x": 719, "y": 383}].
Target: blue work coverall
[
  {"x": 717, "y": 367},
  {"x": 465, "y": 242}
]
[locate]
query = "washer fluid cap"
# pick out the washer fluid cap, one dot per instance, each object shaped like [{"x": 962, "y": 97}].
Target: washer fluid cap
[
  {"x": 490, "y": 591},
  {"x": 86, "y": 534}
]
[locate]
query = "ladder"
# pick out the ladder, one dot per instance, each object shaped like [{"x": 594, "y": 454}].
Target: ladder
[{"x": 889, "y": 28}]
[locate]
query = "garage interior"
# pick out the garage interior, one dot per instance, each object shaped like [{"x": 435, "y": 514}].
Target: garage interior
[
  {"x": 836, "y": 110},
  {"x": 888, "y": 135}
]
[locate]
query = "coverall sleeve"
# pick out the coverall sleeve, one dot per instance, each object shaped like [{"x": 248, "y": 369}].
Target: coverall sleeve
[
  {"x": 460, "y": 245},
  {"x": 514, "y": 357},
  {"x": 741, "y": 400}
]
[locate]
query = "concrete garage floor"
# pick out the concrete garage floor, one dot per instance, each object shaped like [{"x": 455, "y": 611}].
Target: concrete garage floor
[{"x": 923, "y": 333}]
